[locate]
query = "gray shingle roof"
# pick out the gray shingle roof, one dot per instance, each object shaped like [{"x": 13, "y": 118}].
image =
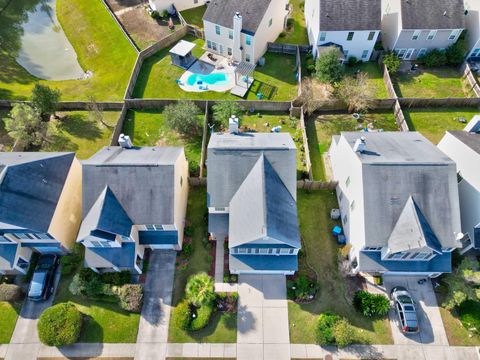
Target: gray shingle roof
[
  {"x": 221, "y": 12},
  {"x": 352, "y": 15},
  {"x": 142, "y": 180},
  {"x": 429, "y": 14},
  {"x": 472, "y": 140}
]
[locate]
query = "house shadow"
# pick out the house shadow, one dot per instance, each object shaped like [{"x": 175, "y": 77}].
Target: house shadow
[{"x": 94, "y": 350}]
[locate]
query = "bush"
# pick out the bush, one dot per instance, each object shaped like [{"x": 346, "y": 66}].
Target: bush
[
  {"x": 188, "y": 231},
  {"x": 11, "y": 293},
  {"x": 371, "y": 304},
  {"x": 183, "y": 118},
  {"x": 202, "y": 317},
  {"x": 282, "y": 34},
  {"x": 71, "y": 262},
  {"x": 200, "y": 290},
  {"x": 469, "y": 312},
  {"x": 325, "y": 326},
  {"x": 392, "y": 62},
  {"x": 88, "y": 283},
  {"x": 343, "y": 332},
  {"x": 182, "y": 315},
  {"x": 130, "y": 296},
  {"x": 45, "y": 99},
  {"x": 165, "y": 14},
  {"x": 60, "y": 325},
  {"x": 352, "y": 61},
  {"x": 222, "y": 112},
  {"x": 117, "y": 278},
  {"x": 328, "y": 67},
  {"x": 455, "y": 53},
  {"x": 187, "y": 249},
  {"x": 155, "y": 15},
  {"x": 433, "y": 58}
]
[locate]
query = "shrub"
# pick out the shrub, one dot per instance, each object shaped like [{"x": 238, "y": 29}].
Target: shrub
[
  {"x": 130, "y": 296},
  {"x": 71, "y": 262},
  {"x": 117, "y": 278},
  {"x": 182, "y": 315},
  {"x": 200, "y": 290},
  {"x": 24, "y": 124},
  {"x": 328, "y": 67},
  {"x": 202, "y": 317},
  {"x": 325, "y": 326},
  {"x": 343, "y": 332},
  {"x": 155, "y": 15},
  {"x": 11, "y": 292},
  {"x": 392, "y": 62},
  {"x": 188, "y": 231},
  {"x": 45, "y": 99},
  {"x": 60, "y": 325},
  {"x": 455, "y": 53},
  {"x": 183, "y": 118},
  {"x": 371, "y": 304},
  {"x": 352, "y": 61},
  {"x": 469, "y": 312},
  {"x": 282, "y": 34},
  {"x": 165, "y": 14},
  {"x": 222, "y": 111},
  {"x": 290, "y": 23},
  {"x": 433, "y": 58},
  {"x": 88, "y": 283},
  {"x": 187, "y": 249}
]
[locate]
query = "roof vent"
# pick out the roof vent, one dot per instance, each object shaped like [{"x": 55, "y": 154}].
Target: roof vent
[
  {"x": 445, "y": 13},
  {"x": 360, "y": 145},
  {"x": 44, "y": 181},
  {"x": 124, "y": 141}
]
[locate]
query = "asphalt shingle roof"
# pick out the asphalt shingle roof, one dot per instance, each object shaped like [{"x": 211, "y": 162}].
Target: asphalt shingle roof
[
  {"x": 470, "y": 139},
  {"x": 433, "y": 14},
  {"x": 352, "y": 15}
]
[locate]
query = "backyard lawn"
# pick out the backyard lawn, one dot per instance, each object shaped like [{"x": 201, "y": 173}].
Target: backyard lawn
[
  {"x": 222, "y": 328},
  {"x": 321, "y": 128},
  {"x": 101, "y": 48},
  {"x": 298, "y": 32},
  {"x": 276, "y": 80},
  {"x": 322, "y": 255},
  {"x": 194, "y": 16},
  {"x": 433, "y": 122},
  {"x": 148, "y": 128},
  {"x": 375, "y": 77},
  {"x": 8, "y": 319},
  {"x": 252, "y": 122},
  {"x": 431, "y": 83}
]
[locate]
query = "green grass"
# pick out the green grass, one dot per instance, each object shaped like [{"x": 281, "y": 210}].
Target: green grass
[
  {"x": 100, "y": 46},
  {"x": 321, "y": 129},
  {"x": 430, "y": 83},
  {"x": 223, "y": 327},
  {"x": 194, "y": 16},
  {"x": 148, "y": 128},
  {"x": 433, "y": 122},
  {"x": 322, "y": 251},
  {"x": 375, "y": 77},
  {"x": 276, "y": 80},
  {"x": 258, "y": 124},
  {"x": 298, "y": 33},
  {"x": 8, "y": 318}
]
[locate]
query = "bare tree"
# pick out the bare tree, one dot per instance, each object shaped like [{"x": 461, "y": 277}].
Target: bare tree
[
  {"x": 95, "y": 113},
  {"x": 356, "y": 92}
]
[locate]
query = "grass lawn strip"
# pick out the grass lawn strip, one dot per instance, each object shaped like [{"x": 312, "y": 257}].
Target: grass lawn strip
[
  {"x": 157, "y": 79},
  {"x": 194, "y": 16},
  {"x": 321, "y": 129},
  {"x": 433, "y": 122},
  {"x": 8, "y": 318},
  {"x": 322, "y": 255},
  {"x": 222, "y": 327},
  {"x": 375, "y": 77},
  {"x": 101, "y": 47},
  {"x": 298, "y": 34}
]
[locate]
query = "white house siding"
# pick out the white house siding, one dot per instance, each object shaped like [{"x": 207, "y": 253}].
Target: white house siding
[
  {"x": 181, "y": 196},
  {"x": 312, "y": 19},
  {"x": 473, "y": 26},
  {"x": 346, "y": 165},
  {"x": 391, "y": 22},
  {"x": 354, "y": 47},
  {"x": 222, "y": 39},
  {"x": 180, "y": 5}
]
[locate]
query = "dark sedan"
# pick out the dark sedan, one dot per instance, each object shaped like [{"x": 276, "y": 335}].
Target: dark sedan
[{"x": 43, "y": 280}]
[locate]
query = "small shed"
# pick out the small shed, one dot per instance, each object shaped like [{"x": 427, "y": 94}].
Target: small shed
[
  {"x": 243, "y": 80},
  {"x": 181, "y": 54}
]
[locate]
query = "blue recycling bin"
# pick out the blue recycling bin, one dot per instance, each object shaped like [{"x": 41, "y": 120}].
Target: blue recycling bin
[{"x": 337, "y": 230}]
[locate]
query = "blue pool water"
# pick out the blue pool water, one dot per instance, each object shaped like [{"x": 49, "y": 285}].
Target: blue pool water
[{"x": 210, "y": 79}]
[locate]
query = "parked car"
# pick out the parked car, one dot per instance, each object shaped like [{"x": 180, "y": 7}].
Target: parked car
[
  {"x": 43, "y": 280},
  {"x": 405, "y": 309}
]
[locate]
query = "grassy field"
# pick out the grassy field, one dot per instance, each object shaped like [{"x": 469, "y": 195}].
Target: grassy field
[
  {"x": 223, "y": 327},
  {"x": 8, "y": 319},
  {"x": 431, "y": 83},
  {"x": 148, "y": 128},
  {"x": 298, "y": 33},
  {"x": 276, "y": 80},
  {"x": 252, "y": 122},
  {"x": 101, "y": 48},
  {"x": 433, "y": 122},
  {"x": 194, "y": 16},
  {"x": 321, "y": 253},
  {"x": 321, "y": 129},
  {"x": 375, "y": 77},
  {"x": 457, "y": 334}
]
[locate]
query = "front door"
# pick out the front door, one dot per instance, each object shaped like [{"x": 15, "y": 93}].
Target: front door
[{"x": 408, "y": 54}]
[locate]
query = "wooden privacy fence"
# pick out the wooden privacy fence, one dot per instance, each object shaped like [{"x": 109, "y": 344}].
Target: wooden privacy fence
[
  {"x": 392, "y": 94},
  {"x": 472, "y": 81},
  {"x": 288, "y": 49},
  {"x": 305, "y": 145},
  {"x": 399, "y": 117},
  {"x": 299, "y": 72},
  {"x": 112, "y": 14},
  {"x": 203, "y": 154},
  {"x": 438, "y": 102},
  {"x": 119, "y": 126},
  {"x": 316, "y": 185}
]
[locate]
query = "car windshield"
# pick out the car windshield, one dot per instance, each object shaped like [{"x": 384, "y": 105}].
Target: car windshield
[
  {"x": 405, "y": 299},
  {"x": 37, "y": 284}
]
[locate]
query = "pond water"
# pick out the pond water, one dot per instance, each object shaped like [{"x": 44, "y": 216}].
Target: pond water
[{"x": 44, "y": 49}]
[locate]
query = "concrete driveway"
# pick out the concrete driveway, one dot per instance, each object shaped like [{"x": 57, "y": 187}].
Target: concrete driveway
[{"x": 432, "y": 331}]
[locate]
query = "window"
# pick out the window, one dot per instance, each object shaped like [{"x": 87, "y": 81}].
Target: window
[
  {"x": 263, "y": 251},
  {"x": 284, "y": 251},
  {"x": 181, "y": 181},
  {"x": 230, "y": 34},
  {"x": 242, "y": 250},
  {"x": 350, "y": 35},
  {"x": 369, "y": 248},
  {"x": 420, "y": 256},
  {"x": 22, "y": 263},
  {"x": 345, "y": 53},
  {"x": 340, "y": 196},
  {"x": 4, "y": 240},
  {"x": 270, "y": 251},
  {"x": 432, "y": 34},
  {"x": 150, "y": 227},
  {"x": 459, "y": 177},
  {"x": 323, "y": 36},
  {"x": 401, "y": 53},
  {"x": 397, "y": 256},
  {"x": 104, "y": 244},
  {"x": 229, "y": 51},
  {"x": 248, "y": 40},
  {"x": 220, "y": 48},
  {"x": 364, "y": 54},
  {"x": 352, "y": 205},
  {"x": 217, "y": 29},
  {"x": 371, "y": 35},
  {"x": 158, "y": 227},
  {"x": 345, "y": 219},
  {"x": 416, "y": 34},
  {"x": 422, "y": 52},
  {"x": 454, "y": 34},
  {"x": 270, "y": 22},
  {"x": 209, "y": 44},
  {"x": 247, "y": 57},
  {"x": 347, "y": 182},
  {"x": 214, "y": 46},
  {"x": 195, "y": 1},
  {"x": 475, "y": 52},
  {"x": 291, "y": 251}
]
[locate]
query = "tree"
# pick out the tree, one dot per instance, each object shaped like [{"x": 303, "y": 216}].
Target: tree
[
  {"x": 328, "y": 67},
  {"x": 462, "y": 284},
  {"x": 343, "y": 332},
  {"x": 45, "y": 99},
  {"x": 392, "y": 62},
  {"x": 356, "y": 92},
  {"x": 25, "y": 126},
  {"x": 200, "y": 290},
  {"x": 455, "y": 53},
  {"x": 183, "y": 118},
  {"x": 95, "y": 113},
  {"x": 60, "y": 325},
  {"x": 222, "y": 111}
]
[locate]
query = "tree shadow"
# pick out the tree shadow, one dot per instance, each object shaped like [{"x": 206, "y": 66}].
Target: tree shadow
[
  {"x": 146, "y": 72},
  {"x": 59, "y": 142},
  {"x": 80, "y": 126}
]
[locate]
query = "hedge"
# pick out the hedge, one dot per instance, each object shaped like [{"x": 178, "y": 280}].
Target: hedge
[
  {"x": 11, "y": 292},
  {"x": 60, "y": 325},
  {"x": 469, "y": 312},
  {"x": 202, "y": 317},
  {"x": 182, "y": 315},
  {"x": 131, "y": 297},
  {"x": 371, "y": 304}
]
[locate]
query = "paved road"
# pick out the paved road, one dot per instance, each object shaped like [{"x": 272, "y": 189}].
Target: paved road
[
  {"x": 262, "y": 320},
  {"x": 432, "y": 331}
]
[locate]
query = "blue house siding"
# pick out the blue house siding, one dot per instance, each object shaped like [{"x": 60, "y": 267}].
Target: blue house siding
[
  {"x": 247, "y": 263},
  {"x": 158, "y": 237},
  {"x": 218, "y": 223},
  {"x": 8, "y": 252}
]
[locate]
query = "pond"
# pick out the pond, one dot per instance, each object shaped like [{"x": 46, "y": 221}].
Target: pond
[{"x": 44, "y": 50}]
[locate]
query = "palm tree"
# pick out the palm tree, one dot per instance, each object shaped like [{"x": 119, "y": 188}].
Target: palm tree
[{"x": 200, "y": 289}]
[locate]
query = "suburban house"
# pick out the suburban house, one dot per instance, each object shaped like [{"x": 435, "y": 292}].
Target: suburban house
[
  {"x": 40, "y": 206},
  {"x": 241, "y": 29},
  {"x": 472, "y": 10},
  {"x": 413, "y": 27},
  {"x": 398, "y": 199},
  {"x": 463, "y": 147},
  {"x": 251, "y": 199},
  {"x": 133, "y": 198},
  {"x": 170, "y": 5},
  {"x": 351, "y": 25}
]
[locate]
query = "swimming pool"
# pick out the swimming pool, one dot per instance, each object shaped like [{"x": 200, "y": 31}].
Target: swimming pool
[{"x": 210, "y": 79}]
